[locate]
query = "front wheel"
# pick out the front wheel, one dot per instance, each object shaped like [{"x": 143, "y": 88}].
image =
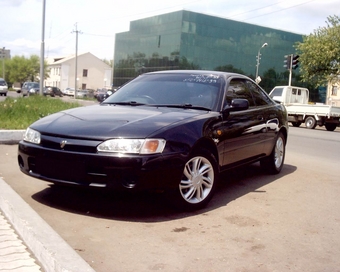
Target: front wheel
[
  {"x": 198, "y": 181},
  {"x": 274, "y": 162},
  {"x": 310, "y": 122}
]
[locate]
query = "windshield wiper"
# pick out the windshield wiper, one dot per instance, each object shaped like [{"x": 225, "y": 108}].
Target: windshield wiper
[
  {"x": 180, "y": 106},
  {"x": 128, "y": 103},
  {"x": 184, "y": 106}
]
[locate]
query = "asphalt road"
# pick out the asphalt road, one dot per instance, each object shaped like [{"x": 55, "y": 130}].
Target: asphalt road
[{"x": 255, "y": 222}]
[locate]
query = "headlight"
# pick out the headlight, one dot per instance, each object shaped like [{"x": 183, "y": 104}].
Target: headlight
[
  {"x": 136, "y": 146},
  {"x": 32, "y": 136}
]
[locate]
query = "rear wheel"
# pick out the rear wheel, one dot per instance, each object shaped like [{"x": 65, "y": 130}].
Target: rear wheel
[
  {"x": 274, "y": 162},
  {"x": 310, "y": 122},
  {"x": 296, "y": 124},
  {"x": 330, "y": 126},
  {"x": 198, "y": 181}
]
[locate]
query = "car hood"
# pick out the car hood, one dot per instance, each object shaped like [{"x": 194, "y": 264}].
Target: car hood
[{"x": 102, "y": 122}]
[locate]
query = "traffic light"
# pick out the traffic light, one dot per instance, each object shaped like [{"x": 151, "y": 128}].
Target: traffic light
[
  {"x": 287, "y": 62},
  {"x": 295, "y": 61}
]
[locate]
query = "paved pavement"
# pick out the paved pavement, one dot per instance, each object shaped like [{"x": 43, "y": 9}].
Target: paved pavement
[
  {"x": 14, "y": 254},
  {"x": 27, "y": 242}
]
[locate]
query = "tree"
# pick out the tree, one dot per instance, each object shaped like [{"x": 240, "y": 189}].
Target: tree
[
  {"x": 21, "y": 69},
  {"x": 184, "y": 64},
  {"x": 320, "y": 53}
]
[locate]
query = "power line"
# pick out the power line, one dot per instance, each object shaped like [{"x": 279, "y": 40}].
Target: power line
[
  {"x": 278, "y": 10},
  {"x": 89, "y": 34}
]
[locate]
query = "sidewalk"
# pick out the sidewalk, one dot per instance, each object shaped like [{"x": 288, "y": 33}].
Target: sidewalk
[
  {"x": 14, "y": 255},
  {"x": 27, "y": 242}
]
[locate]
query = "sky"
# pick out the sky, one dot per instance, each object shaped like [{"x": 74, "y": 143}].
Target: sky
[{"x": 97, "y": 21}]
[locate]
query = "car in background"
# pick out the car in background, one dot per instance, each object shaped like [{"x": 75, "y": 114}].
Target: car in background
[
  {"x": 82, "y": 93},
  {"x": 52, "y": 91},
  {"x": 168, "y": 131},
  {"x": 69, "y": 91},
  {"x": 29, "y": 88},
  {"x": 3, "y": 87},
  {"x": 99, "y": 92},
  {"x": 102, "y": 95}
]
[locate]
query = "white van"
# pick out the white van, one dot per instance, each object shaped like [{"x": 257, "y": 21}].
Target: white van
[{"x": 3, "y": 87}]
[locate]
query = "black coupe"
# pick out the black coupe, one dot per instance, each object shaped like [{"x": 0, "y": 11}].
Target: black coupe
[{"x": 169, "y": 130}]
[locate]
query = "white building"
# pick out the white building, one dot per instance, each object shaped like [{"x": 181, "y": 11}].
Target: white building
[
  {"x": 92, "y": 73},
  {"x": 333, "y": 94}
]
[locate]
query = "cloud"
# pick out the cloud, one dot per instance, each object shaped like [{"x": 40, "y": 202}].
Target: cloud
[{"x": 12, "y": 3}]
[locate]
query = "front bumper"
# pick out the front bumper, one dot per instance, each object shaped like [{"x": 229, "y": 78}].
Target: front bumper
[{"x": 86, "y": 168}]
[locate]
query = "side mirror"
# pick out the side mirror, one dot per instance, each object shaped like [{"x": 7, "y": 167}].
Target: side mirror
[{"x": 237, "y": 104}]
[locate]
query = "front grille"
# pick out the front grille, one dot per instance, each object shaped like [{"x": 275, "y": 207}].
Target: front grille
[{"x": 73, "y": 145}]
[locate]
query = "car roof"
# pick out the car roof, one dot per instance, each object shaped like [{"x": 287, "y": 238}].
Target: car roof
[{"x": 199, "y": 72}]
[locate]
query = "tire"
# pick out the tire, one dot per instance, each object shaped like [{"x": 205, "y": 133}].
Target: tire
[
  {"x": 330, "y": 126},
  {"x": 310, "y": 122},
  {"x": 296, "y": 124},
  {"x": 274, "y": 162},
  {"x": 198, "y": 182}
]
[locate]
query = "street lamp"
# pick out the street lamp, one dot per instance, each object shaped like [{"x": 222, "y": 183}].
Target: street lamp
[{"x": 258, "y": 63}]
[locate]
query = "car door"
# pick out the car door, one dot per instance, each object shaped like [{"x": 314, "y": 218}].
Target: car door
[
  {"x": 242, "y": 132},
  {"x": 270, "y": 114}
]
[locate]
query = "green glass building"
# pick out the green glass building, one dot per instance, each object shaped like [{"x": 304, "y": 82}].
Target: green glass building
[{"x": 190, "y": 40}]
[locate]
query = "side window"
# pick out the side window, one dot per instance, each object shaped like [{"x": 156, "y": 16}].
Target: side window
[
  {"x": 261, "y": 98},
  {"x": 238, "y": 88}
]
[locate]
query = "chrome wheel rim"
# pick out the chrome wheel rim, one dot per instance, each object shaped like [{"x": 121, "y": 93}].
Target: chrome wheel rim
[
  {"x": 279, "y": 152},
  {"x": 197, "y": 180}
]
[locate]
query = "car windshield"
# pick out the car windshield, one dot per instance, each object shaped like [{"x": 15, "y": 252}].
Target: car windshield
[
  {"x": 189, "y": 90},
  {"x": 32, "y": 85}
]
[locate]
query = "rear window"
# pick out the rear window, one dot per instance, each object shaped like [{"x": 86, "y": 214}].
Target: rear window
[{"x": 2, "y": 83}]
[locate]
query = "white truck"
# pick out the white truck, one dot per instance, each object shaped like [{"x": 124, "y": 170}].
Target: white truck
[{"x": 301, "y": 111}]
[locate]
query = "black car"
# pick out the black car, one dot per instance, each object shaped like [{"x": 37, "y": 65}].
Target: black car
[
  {"x": 52, "y": 91},
  {"x": 170, "y": 130},
  {"x": 102, "y": 95}
]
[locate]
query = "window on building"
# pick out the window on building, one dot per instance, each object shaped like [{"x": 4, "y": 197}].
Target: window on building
[
  {"x": 84, "y": 72},
  {"x": 334, "y": 90}
]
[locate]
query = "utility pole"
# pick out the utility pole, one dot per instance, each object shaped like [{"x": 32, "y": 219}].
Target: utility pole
[
  {"x": 76, "y": 61},
  {"x": 3, "y": 62},
  {"x": 42, "y": 51}
]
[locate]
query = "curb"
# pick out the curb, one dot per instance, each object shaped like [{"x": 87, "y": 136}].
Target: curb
[
  {"x": 11, "y": 136},
  {"x": 53, "y": 253}
]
